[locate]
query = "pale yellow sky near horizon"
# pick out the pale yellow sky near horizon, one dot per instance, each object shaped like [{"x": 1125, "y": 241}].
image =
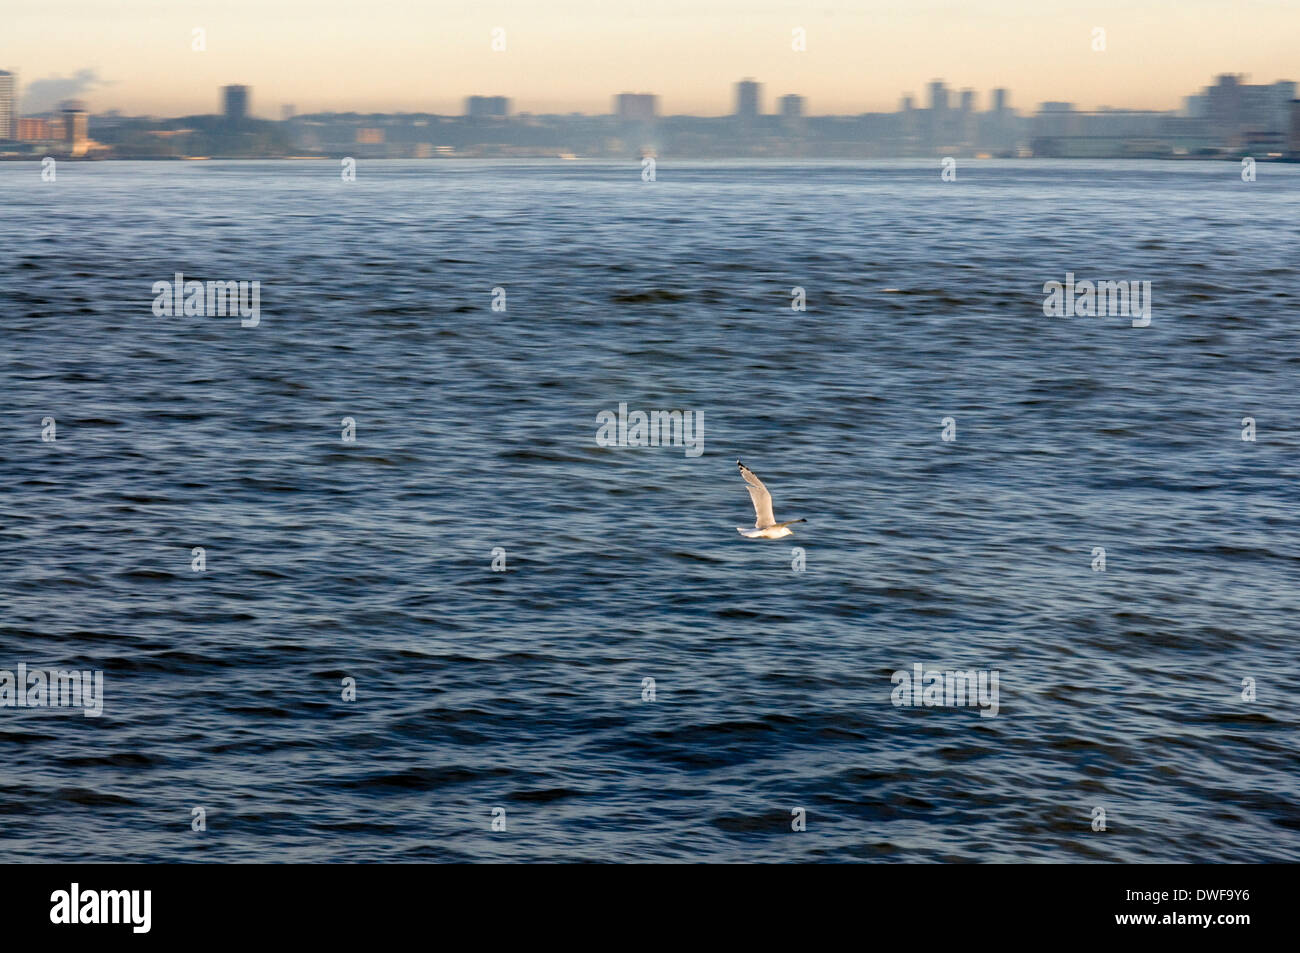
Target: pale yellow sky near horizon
[{"x": 574, "y": 55}]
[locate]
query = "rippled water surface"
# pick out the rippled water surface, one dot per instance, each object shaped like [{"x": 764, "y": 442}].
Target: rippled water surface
[{"x": 475, "y": 429}]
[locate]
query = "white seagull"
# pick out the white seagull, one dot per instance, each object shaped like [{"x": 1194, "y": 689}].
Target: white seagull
[{"x": 765, "y": 524}]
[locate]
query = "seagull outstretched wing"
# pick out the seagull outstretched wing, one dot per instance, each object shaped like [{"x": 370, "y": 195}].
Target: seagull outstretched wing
[{"x": 758, "y": 493}]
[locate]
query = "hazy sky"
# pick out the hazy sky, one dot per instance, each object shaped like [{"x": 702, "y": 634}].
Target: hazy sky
[{"x": 572, "y": 55}]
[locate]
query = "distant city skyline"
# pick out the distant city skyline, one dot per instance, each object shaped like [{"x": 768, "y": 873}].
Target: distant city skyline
[
  {"x": 748, "y": 98},
  {"x": 1229, "y": 118},
  {"x": 561, "y": 56}
]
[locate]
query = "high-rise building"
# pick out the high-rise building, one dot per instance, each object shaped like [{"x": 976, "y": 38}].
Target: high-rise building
[
  {"x": 487, "y": 107},
  {"x": 76, "y": 127},
  {"x": 235, "y": 102},
  {"x": 8, "y": 105},
  {"x": 938, "y": 96},
  {"x": 636, "y": 107},
  {"x": 791, "y": 106},
  {"x": 1281, "y": 95},
  {"x": 1236, "y": 109},
  {"x": 38, "y": 130},
  {"x": 1222, "y": 102},
  {"x": 997, "y": 130},
  {"x": 748, "y": 94},
  {"x": 938, "y": 127},
  {"x": 965, "y": 119}
]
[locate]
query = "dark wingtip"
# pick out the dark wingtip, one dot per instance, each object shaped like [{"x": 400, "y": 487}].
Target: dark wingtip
[{"x": 739, "y": 464}]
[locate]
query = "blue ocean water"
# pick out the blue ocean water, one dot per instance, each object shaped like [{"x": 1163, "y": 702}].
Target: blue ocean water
[{"x": 1120, "y": 690}]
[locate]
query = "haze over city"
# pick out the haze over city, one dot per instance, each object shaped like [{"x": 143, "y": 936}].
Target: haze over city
[{"x": 137, "y": 56}]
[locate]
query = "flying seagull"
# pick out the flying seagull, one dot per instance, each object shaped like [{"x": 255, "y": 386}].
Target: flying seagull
[{"x": 765, "y": 524}]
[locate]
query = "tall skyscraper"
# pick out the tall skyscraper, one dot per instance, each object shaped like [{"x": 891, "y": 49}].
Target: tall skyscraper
[
  {"x": 8, "y": 105},
  {"x": 747, "y": 99},
  {"x": 938, "y": 96},
  {"x": 235, "y": 102},
  {"x": 636, "y": 107},
  {"x": 938, "y": 122},
  {"x": 76, "y": 127},
  {"x": 791, "y": 106},
  {"x": 487, "y": 107},
  {"x": 964, "y": 127},
  {"x": 999, "y": 126}
]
